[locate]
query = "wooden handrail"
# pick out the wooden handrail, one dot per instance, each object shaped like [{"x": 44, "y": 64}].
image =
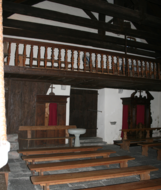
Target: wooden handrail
[{"x": 74, "y": 58}]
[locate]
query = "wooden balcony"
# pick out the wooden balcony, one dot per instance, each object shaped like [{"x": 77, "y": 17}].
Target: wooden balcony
[{"x": 79, "y": 67}]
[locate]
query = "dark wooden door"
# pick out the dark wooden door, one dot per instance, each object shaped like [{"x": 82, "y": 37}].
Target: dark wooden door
[{"x": 83, "y": 111}]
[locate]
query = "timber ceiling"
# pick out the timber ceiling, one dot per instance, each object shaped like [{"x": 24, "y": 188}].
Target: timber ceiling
[{"x": 145, "y": 15}]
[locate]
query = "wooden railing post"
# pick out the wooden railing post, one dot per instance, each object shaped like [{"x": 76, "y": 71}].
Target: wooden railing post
[
  {"x": 90, "y": 63},
  {"x": 16, "y": 54},
  {"x": 102, "y": 63},
  {"x": 52, "y": 57},
  {"x": 78, "y": 60},
  {"x": 113, "y": 64},
  {"x": 9, "y": 53},
  {"x": 38, "y": 57},
  {"x": 107, "y": 64},
  {"x": 31, "y": 56},
  {"x": 66, "y": 59},
  {"x": 96, "y": 62},
  {"x": 24, "y": 55},
  {"x": 45, "y": 56},
  {"x": 59, "y": 59},
  {"x": 158, "y": 70},
  {"x": 137, "y": 67},
  {"x": 123, "y": 66},
  {"x": 72, "y": 60},
  {"x": 84, "y": 60}
]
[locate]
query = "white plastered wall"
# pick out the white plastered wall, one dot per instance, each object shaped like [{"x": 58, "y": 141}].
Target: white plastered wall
[{"x": 110, "y": 104}]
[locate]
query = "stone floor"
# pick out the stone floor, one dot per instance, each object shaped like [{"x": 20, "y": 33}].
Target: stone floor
[{"x": 19, "y": 178}]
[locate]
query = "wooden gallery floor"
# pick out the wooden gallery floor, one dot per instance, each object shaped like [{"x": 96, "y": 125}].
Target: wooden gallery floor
[{"x": 19, "y": 178}]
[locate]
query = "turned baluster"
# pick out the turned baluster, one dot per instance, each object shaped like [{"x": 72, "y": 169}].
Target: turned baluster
[
  {"x": 84, "y": 60},
  {"x": 9, "y": 54},
  {"x": 147, "y": 134},
  {"x": 16, "y": 54},
  {"x": 155, "y": 71},
  {"x": 142, "y": 71},
  {"x": 125, "y": 135},
  {"x": 102, "y": 63},
  {"x": 137, "y": 67},
  {"x": 38, "y": 57},
  {"x": 96, "y": 62},
  {"x": 107, "y": 64},
  {"x": 123, "y": 66},
  {"x": 158, "y": 70},
  {"x": 66, "y": 59},
  {"x": 90, "y": 62},
  {"x": 78, "y": 61},
  {"x": 45, "y": 56},
  {"x": 118, "y": 68},
  {"x": 128, "y": 71},
  {"x": 150, "y": 69},
  {"x": 52, "y": 57},
  {"x": 31, "y": 56},
  {"x": 72, "y": 60},
  {"x": 146, "y": 71},
  {"x": 24, "y": 55},
  {"x": 113, "y": 64},
  {"x": 59, "y": 59},
  {"x": 133, "y": 74}
]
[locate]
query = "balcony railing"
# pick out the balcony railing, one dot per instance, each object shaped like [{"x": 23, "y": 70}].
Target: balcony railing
[{"x": 33, "y": 54}]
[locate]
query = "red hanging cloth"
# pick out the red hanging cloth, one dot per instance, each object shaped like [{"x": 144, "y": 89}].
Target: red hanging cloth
[
  {"x": 52, "y": 114},
  {"x": 125, "y": 118},
  {"x": 140, "y": 114}
]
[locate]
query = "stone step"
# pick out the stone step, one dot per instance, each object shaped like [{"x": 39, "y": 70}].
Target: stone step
[
  {"x": 14, "y": 146},
  {"x": 90, "y": 139},
  {"x": 13, "y": 155},
  {"x": 93, "y": 144}
]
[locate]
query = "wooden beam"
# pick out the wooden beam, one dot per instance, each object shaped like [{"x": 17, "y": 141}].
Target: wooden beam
[
  {"x": 70, "y": 19},
  {"x": 157, "y": 2},
  {"x": 90, "y": 14},
  {"x": 70, "y": 39},
  {"x": 113, "y": 10},
  {"x": 76, "y": 33}
]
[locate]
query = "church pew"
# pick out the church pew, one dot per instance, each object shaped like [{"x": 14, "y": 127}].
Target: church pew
[
  {"x": 153, "y": 184},
  {"x": 58, "y": 150},
  {"x": 122, "y": 160},
  {"x": 65, "y": 156},
  {"x": 158, "y": 148},
  {"x": 55, "y": 179},
  {"x": 145, "y": 147}
]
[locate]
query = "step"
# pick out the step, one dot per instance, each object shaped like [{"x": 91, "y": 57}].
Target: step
[
  {"x": 56, "y": 179},
  {"x": 153, "y": 184},
  {"x": 58, "y": 150},
  {"x": 93, "y": 144},
  {"x": 65, "y": 156},
  {"x": 90, "y": 139},
  {"x": 122, "y": 160}
]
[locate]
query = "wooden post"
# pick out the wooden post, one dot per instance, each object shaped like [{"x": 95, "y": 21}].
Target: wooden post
[{"x": 3, "y": 136}]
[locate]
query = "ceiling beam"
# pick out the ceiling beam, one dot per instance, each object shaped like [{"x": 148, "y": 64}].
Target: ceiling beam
[
  {"x": 76, "y": 20},
  {"x": 56, "y": 36},
  {"x": 90, "y": 14},
  {"x": 76, "y": 33},
  {"x": 113, "y": 10},
  {"x": 157, "y": 2}
]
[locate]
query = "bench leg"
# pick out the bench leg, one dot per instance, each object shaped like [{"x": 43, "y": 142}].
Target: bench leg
[
  {"x": 159, "y": 155},
  {"x": 6, "y": 178},
  {"x": 125, "y": 145},
  {"x": 70, "y": 142},
  {"x": 33, "y": 172},
  {"x": 144, "y": 176},
  {"x": 46, "y": 187},
  {"x": 145, "y": 150},
  {"x": 123, "y": 164},
  {"x": 41, "y": 173}
]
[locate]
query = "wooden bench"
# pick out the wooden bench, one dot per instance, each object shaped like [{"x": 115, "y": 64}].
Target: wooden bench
[
  {"x": 3, "y": 185},
  {"x": 58, "y": 150},
  {"x": 65, "y": 156},
  {"x": 145, "y": 147},
  {"x": 126, "y": 142},
  {"x": 29, "y": 130},
  {"x": 153, "y": 184},
  {"x": 4, "y": 171},
  {"x": 122, "y": 160},
  {"x": 158, "y": 148},
  {"x": 56, "y": 179}
]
